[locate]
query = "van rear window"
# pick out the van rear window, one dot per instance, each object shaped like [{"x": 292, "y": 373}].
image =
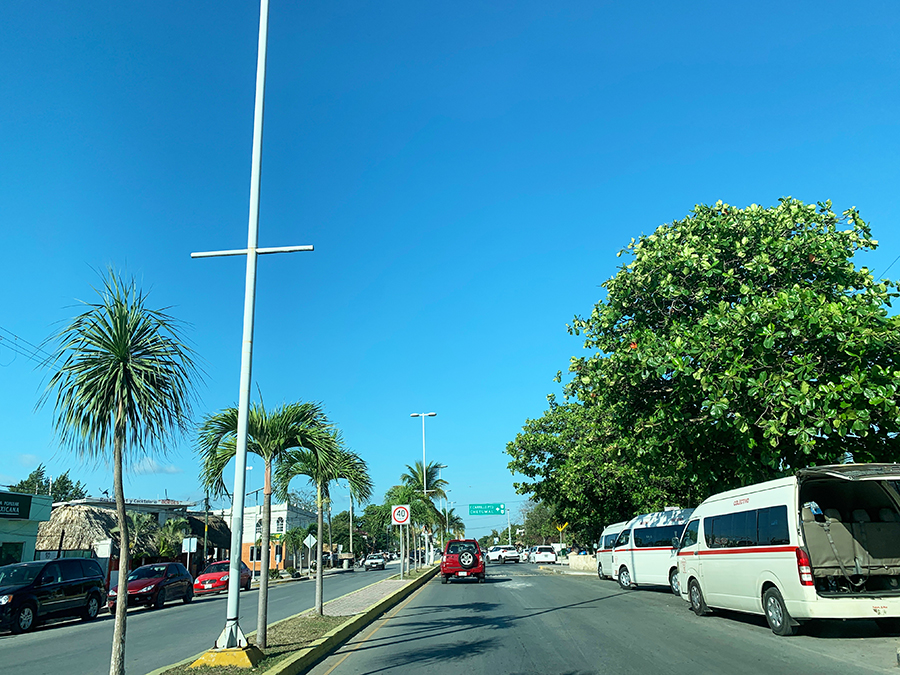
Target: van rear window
[
  {"x": 759, "y": 527},
  {"x": 656, "y": 536}
]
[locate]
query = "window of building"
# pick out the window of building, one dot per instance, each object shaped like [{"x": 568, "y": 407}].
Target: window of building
[
  {"x": 258, "y": 528},
  {"x": 279, "y": 525}
]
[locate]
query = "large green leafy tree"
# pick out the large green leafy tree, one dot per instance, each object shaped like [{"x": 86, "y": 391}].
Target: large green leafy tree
[
  {"x": 740, "y": 344},
  {"x": 271, "y": 434},
  {"x": 122, "y": 389},
  {"x": 61, "y": 488},
  {"x": 323, "y": 462}
]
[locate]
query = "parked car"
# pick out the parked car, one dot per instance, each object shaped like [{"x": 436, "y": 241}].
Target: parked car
[
  {"x": 34, "y": 591},
  {"x": 605, "y": 548},
  {"x": 543, "y": 554},
  {"x": 154, "y": 585},
  {"x": 504, "y": 553},
  {"x": 375, "y": 561},
  {"x": 214, "y": 579},
  {"x": 821, "y": 544},
  {"x": 462, "y": 558}
]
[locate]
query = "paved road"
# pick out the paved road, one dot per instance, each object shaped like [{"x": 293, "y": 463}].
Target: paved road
[
  {"x": 157, "y": 638},
  {"x": 526, "y": 621}
]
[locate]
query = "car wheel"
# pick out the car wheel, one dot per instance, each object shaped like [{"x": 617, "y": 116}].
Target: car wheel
[
  {"x": 695, "y": 595},
  {"x": 112, "y": 609},
  {"x": 600, "y": 569},
  {"x": 776, "y": 613},
  {"x": 444, "y": 579},
  {"x": 24, "y": 619},
  {"x": 625, "y": 578},
  {"x": 188, "y": 596},
  {"x": 247, "y": 585},
  {"x": 160, "y": 599},
  {"x": 481, "y": 579},
  {"x": 92, "y": 608},
  {"x": 673, "y": 582}
]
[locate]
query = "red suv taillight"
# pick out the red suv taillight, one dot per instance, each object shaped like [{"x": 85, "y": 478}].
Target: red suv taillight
[{"x": 804, "y": 568}]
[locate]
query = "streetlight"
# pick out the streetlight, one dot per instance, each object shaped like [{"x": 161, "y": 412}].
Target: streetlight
[{"x": 424, "y": 471}]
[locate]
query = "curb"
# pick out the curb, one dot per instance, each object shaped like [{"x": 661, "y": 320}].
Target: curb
[
  {"x": 320, "y": 648},
  {"x": 550, "y": 570}
]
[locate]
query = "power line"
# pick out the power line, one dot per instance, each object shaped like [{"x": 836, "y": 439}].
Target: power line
[{"x": 27, "y": 349}]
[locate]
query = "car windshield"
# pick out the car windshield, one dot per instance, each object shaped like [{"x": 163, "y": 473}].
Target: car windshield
[
  {"x": 18, "y": 574},
  {"x": 148, "y": 572},
  {"x": 215, "y": 568}
]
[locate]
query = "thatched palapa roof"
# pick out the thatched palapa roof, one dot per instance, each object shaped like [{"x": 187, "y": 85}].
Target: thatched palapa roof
[{"x": 81, "y": 526}]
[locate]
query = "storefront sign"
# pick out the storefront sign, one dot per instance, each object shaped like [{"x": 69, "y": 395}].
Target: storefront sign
[{"x": 15, "y": 506}]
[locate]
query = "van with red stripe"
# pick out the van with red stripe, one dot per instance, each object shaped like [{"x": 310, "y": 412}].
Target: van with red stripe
[
  {"x": 644, "y": 552},
  {"x": 822, "y": 544}
]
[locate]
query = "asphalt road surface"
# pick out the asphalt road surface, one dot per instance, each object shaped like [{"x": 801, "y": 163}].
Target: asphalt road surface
[
  {"x": 156, "y": 638},
  {"x": 522, "y": 620}
]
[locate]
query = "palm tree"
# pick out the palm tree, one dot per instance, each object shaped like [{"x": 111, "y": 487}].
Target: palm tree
[
  {"x": 418, "y": 479},
  {"x": 293, "y": 540},
  {"x": 169, "y": 536},
  {"x": 142, "y": 528},
  {"x": 122, "y": 389},
  {"x": 269, "y": 435},
  {"x": 455, "y": 524},
  {"x": 323, "y": 465}
]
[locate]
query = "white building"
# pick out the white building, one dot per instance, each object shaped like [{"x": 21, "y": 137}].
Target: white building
[{"x": 283, "y": 517}]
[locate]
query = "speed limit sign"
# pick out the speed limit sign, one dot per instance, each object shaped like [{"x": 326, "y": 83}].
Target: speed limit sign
[{"x": 400, "y": 514}]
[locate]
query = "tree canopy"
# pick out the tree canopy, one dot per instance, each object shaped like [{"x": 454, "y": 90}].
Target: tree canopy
[
  {"x": 61, "y": 488},
  {"x": 735, "y": 345}
]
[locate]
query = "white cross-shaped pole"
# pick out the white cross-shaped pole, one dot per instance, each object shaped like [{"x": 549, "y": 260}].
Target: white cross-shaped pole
[{"x": 232, "y": 636}]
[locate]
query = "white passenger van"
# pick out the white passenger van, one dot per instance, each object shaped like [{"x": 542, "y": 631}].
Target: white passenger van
[
  {"x": 645, "y": 550},
  {"x": 823, "y": 544},
  {"x": 605, "y": 547}
]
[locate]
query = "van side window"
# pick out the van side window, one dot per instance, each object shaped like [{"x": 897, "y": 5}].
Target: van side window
[
  {"x": 656, "y": 536},
  {"x": 760, "y": 527},
  {"x": 624, "y": 538},
  {"x": 608, "y": 541},
  {"x": 773, "y": 527},
  {"x": 691, "y": 534}
]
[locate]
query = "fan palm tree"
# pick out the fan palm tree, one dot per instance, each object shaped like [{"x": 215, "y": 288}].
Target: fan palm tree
[
  {"x": 270, "y": 434},
  {"x": 122, "y": 389},
  {"x": 323, "y": 465}
]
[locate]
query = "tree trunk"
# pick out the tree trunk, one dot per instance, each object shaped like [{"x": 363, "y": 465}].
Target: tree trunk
[
  {"x": 263, "y": 600},
  {"x": 117, "y": 660},
  {"x": 330, "y": 544},
  {"x": 320, "y": 518}
]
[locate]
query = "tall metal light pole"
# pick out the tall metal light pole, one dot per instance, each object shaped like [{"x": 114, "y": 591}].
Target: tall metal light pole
[
  {"x": 424, "y": 470},
  {"x": 232, "y": 636}
]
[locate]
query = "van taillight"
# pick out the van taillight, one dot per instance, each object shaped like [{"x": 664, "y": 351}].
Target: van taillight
[{"x": 804, "y": 568}]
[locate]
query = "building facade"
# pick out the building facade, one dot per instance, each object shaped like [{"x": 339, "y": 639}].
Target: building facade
[
  {"x": 283, "y": 517},
  {"x": 20, "y": 515}
]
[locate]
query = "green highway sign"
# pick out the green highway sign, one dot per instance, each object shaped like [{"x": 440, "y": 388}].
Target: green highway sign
[{"x": 487, "y": 509}]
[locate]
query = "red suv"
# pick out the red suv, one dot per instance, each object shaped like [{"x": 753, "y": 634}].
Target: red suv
[{"x": 462, "y": 558}]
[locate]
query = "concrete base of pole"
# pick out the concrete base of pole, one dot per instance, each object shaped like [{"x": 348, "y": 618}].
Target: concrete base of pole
[{"x": 237, "y": 657}]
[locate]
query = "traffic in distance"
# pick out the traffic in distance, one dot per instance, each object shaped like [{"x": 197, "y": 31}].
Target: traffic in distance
[{"x": 822, "y": 544}]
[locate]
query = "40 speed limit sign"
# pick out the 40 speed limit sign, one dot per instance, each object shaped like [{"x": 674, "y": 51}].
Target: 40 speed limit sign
[{"x": 400, "y": 514}]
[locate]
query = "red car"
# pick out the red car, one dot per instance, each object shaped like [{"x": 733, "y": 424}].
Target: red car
[
  {"x": 462, "y": 558},
  {"x": 153, "y": 585},
  {"x": 214, "y": 578}
]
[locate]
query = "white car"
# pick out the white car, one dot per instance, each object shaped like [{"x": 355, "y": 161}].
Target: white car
[
  {"x": 503, "y": 554},
  {"x": 543, "y": 554},
  {"x": 375, "y": 561}
]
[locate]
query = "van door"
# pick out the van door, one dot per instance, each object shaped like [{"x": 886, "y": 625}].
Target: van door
[
  {"x": 689, "y": 557},
  {"x": 622, "y": 553}
]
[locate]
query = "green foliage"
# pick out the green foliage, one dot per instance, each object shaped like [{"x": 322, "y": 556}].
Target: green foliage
[
  {"x": 170, "y": 536},
  {"x": 274, "y": 574},
  {"x": 62, "y": 489},
  {"x": 540, "y": 523},
  {"x": 735, "y": 346}
]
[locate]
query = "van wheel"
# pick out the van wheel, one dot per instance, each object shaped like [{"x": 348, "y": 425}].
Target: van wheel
[
  {"x": 695, "y": 595},
  {"x": 92, "y": 608},
  {"x": 673, "y": 582},
  {"x": 23, "y": 619},
  {"x": 600, "y": 569},
  {"x": 776, "y": 613},
  {"x": 625, "y": 579}
]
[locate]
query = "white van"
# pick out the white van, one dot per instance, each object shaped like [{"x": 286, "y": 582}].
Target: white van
[
  {"x": 605, "y": 547},
  {"x": 645, "y": 550},
  {"x": 823, "y": 544}
]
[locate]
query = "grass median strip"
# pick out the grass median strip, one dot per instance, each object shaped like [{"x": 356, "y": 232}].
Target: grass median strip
[{"x": 284, "y": 638}]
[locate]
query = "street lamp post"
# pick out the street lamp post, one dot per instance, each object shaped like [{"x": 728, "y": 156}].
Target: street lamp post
[
  {"x": 232, "y": 637},
  {"x": 424, "y": 469}
]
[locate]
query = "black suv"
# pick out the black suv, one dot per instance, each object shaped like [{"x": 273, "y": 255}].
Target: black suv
[{"x": 33, "y": 591}]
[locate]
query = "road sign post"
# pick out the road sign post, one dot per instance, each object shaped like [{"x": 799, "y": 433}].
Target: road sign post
[{"x": 309, "y": 542}]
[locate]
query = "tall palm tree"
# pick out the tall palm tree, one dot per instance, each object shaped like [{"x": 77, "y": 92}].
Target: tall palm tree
[
  {"x": 293, "y": 540},
  {"x": 420, "y": 478},
  {"x": 122, "y": 389},
  {"x": 322, "y": 466},
  {"x": 455, "y": 524},
  {"x": 270, "y": 434}
]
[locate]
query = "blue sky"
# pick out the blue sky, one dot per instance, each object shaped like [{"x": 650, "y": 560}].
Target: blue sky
[{"x": 466, "y": 172}]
